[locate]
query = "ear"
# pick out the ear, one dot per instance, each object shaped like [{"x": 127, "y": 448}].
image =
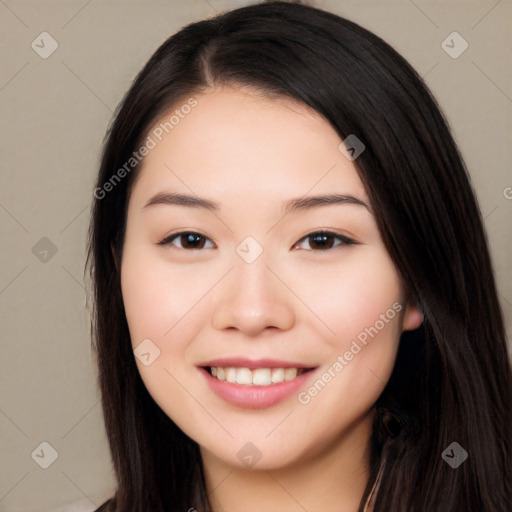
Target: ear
[{"x": 413, "y": 316}]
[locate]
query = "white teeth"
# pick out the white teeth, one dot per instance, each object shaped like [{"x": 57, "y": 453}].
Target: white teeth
[
  {"x": 257, "y": 377},
  {"x": 244, "y": 376},
  {"x": 290, "y": 373},
  {"x": 261, "y": 377},
  {"x": 277, "y": 374},
  {"x": 231, "y": 374}
]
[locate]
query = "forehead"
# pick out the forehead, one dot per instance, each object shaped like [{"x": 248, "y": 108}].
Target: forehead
[{"x": 235, "y": 140}]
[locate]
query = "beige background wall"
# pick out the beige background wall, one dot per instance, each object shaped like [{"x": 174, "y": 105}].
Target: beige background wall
[{"x": 54, "y": 115}]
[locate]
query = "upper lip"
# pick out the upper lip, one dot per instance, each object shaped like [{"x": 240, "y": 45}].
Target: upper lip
[{"x": 241, "y": 362}]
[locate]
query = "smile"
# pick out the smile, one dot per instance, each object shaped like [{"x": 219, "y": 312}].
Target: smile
[
  {"x": 254, "y": 384},
  {"x": 255, "y": 377}
]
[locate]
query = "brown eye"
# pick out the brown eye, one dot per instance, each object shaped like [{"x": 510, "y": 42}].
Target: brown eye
[
  {"x": 188, "y": 240},
  {"x": 325, "y": 240}
]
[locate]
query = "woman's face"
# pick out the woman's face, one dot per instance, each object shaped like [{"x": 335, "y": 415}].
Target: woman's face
[{"x": 252, "y": 289}]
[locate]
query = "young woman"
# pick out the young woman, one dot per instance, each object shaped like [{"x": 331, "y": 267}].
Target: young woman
[{"x": 294, "y": 303}]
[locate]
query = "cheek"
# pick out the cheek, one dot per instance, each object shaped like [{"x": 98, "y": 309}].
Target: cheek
[
  {"x": 156, "y": 294},
  {"x": 163, "y": 315},
  {"x": 363, "y": 306},
  {"x": 149, "y": 313},
  {"x": 360, "y": 301},
  {"x": 143, "y": 297},
  {"x": 352, "y": 295},
  {"x": 166, "y": 303}
]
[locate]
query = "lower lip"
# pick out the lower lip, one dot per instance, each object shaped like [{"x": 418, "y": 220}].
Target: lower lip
[{"x": 254, "y": 397}]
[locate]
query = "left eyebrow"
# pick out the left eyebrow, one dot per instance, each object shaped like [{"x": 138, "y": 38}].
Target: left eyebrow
[
  {"x": 293, "y": 205},
  {"x": 308, "y": 202}
]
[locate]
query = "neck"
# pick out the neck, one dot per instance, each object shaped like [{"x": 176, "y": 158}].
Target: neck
[{"x": 331, "y": 480}]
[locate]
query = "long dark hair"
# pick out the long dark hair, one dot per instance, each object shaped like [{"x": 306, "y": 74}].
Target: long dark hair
[{"x": 452, "y": 378}]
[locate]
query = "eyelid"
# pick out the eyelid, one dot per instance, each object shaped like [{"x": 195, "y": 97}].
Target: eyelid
[
  {"x": 169, "y": 238},
  {"x": 345, "y": 240}
]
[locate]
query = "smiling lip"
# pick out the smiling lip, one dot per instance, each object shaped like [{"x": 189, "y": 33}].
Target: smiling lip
[
  {"x": 253, "y": 397},
  {"x": 252, "y": 364}
]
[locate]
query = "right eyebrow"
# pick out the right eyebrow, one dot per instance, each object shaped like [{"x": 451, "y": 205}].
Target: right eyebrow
[{"x": 182, "y": 200}]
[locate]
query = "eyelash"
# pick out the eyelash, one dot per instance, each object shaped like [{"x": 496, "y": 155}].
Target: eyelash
[{"x": 344, "y": 239}]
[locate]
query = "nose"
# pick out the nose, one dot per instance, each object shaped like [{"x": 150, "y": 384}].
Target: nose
[{"x": 252, "y": 299}]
